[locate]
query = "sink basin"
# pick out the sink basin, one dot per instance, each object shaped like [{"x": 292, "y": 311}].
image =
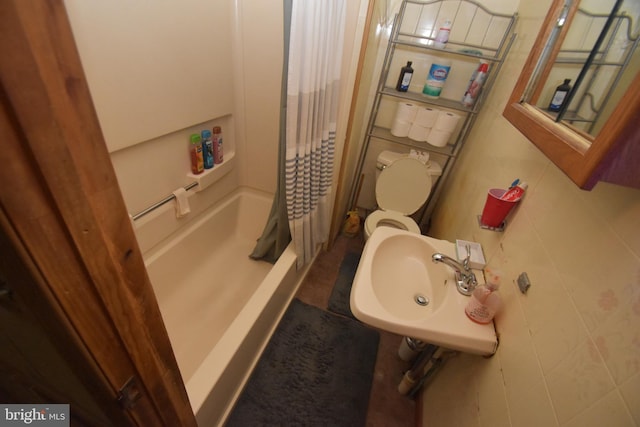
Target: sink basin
[{"x": 399, "y": 289}]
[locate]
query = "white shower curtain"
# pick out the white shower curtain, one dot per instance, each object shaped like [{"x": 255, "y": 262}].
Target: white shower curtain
[{"x": 313, "y": 83}]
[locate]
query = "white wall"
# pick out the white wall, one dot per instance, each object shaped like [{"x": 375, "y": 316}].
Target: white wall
[
  {"x": 157, "y": 73},
  {"x": 154, "y": 68},
  {"x": 161, "y": 71},
  {"x": 569, "y": 351},
  {"x": 258, "y": 78}
]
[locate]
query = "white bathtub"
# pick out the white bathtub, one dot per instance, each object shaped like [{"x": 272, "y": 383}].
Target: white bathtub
[{"x": 219, "y": 306}]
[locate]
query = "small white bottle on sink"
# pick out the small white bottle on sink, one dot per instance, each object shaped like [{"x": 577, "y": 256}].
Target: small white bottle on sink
[{"x": 485, "y": 301}]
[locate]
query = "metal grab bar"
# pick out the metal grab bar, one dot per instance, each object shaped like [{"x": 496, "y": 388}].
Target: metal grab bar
[{"x": 161, "y": 202}]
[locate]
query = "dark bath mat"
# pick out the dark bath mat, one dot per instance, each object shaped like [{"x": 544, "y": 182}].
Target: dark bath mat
[
  {"x": 316, "y": 371},
  {"x": 341, "y": 293}
]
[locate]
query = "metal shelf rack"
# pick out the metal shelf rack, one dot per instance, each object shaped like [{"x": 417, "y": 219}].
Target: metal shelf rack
[{"x": 476, "y": 34}]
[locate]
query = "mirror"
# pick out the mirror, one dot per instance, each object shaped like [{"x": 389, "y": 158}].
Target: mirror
[
  {"x": 592, "y": 44},
  {"x": 591, "y": 55}
]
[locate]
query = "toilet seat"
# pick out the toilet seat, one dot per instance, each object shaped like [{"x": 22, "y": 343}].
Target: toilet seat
[
  {"x": 401, "y": 189},
  {"x": 390, "y": 219}
]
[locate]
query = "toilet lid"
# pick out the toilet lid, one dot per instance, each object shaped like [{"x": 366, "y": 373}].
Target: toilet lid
[{"x": 403, "y": 186}]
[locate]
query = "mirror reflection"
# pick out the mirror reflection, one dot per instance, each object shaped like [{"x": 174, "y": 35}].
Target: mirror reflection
[{"x": 589, "y": 63}]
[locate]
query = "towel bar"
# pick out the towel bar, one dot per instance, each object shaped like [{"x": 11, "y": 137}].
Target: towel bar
[{"x": 161, "y": 202}]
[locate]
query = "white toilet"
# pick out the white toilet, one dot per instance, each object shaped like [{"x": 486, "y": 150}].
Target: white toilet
[{"x": 403, "y": 185}]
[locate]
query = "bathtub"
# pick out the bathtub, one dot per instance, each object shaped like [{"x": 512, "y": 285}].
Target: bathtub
[{"x": 219, "y": 306}]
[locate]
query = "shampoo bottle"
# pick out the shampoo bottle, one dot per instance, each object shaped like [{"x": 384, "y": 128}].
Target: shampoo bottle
[
  {"x": 197, "y": 162},
  {"x": 217, "y": 144},
  {"x": 485, "y": 301},
  {"x": 404, "y": 78},
  {"x": 559, "y": 95},
  {"x": 207, "y": 149}
]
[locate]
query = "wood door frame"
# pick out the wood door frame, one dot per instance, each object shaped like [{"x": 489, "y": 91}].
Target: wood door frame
[{"x": 61, "y": 200}]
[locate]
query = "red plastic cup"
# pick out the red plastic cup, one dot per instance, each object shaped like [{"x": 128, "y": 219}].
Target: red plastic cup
[{"x": 496, "y": 210}]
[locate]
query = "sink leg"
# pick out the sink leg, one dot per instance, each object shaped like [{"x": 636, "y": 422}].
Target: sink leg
[
  {"x": 428, "y": 362},
  {"x": 410, "y": 348},
  {"x": 435, "y": 363},
  {"x": 413, "y": 375}
]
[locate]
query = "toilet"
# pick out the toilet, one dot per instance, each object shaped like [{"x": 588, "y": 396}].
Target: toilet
[{"x": 403, "y": 184}]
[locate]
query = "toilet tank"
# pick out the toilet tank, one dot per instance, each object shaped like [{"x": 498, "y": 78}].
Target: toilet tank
[{"x": 385, "y": 158}]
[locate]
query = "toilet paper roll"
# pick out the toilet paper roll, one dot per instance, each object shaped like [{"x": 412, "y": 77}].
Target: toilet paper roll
[
  {"x": 406, "y": 112},
  {"x": 400, "y": 128},
  {"x": 418, "y": 133},
  {"x": 426, "y": 117},
  {"x": 439, "y": 138},
  {"x": 446, "y": 121}
]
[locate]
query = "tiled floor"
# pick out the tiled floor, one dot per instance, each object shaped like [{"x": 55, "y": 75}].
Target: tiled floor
[{"x": 387, "y": 408}]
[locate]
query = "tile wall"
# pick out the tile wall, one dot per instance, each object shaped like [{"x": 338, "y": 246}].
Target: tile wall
[{"x": 569, "y": 350}]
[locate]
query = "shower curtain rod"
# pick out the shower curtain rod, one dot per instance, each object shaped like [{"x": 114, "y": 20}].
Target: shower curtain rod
[{"x": 161, "y": 202}]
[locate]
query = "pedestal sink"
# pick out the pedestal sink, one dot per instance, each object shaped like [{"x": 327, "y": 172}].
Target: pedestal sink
[{"x": 398, "y": 288}]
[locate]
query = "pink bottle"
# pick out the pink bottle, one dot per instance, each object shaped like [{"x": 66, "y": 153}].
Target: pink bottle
[
  {"x": 485, "y": 301},
  {"x": 216, "y": 139}
]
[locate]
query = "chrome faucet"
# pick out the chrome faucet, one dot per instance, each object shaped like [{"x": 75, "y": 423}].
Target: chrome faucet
[{"x": 465, "y": 278}]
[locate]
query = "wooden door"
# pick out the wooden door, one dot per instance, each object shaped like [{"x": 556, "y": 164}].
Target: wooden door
[
  {"x": 40, "y": 359},
  {"x": 77, "y": 293}
]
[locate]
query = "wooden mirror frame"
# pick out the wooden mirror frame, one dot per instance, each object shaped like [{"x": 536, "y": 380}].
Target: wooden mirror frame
[{"x": 613, "y": 155}]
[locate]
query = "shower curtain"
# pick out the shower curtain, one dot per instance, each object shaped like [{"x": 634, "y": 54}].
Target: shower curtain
[
  {"x": 313, "y": 83},
  {"x": 313, "y": 59}
]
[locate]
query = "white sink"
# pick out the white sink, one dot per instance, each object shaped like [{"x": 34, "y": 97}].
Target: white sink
[{"x": 396, "y": 276}]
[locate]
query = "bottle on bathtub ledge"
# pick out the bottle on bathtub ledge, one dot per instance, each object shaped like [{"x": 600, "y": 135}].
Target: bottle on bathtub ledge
[
  {"x": 207, "y": 148},
  {"x": 485, "y": 301},
  {"x": 195, "y": 150},
  {"x": 217, "y": 145}
]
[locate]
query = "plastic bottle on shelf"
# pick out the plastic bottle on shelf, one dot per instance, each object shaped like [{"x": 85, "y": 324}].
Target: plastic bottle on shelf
[
  {"x": 217, "y": 144},
  {"x": 197, "y": 162},
  {"x": 475, "y": 84},
  {"x": 559, "y": 95},
  {"x": 443, "y": 35},
  {"x": 515, "y": 193},
  {"x": 207, "y": 149},
  {"x": 404, "y": 78},
  {"x": 485, "y": 301},
  {"x": 436, "y": 78}
]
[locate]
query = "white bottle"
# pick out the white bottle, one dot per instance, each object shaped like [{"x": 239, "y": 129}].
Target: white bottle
[
  {"x": 485, "y": 301},
  {"x": 443, "y": 35}
]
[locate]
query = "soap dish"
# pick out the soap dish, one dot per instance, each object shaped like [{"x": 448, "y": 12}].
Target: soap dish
[
  {"x": 488, "y": 227},
  {"x": 476, "y": 260}
]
